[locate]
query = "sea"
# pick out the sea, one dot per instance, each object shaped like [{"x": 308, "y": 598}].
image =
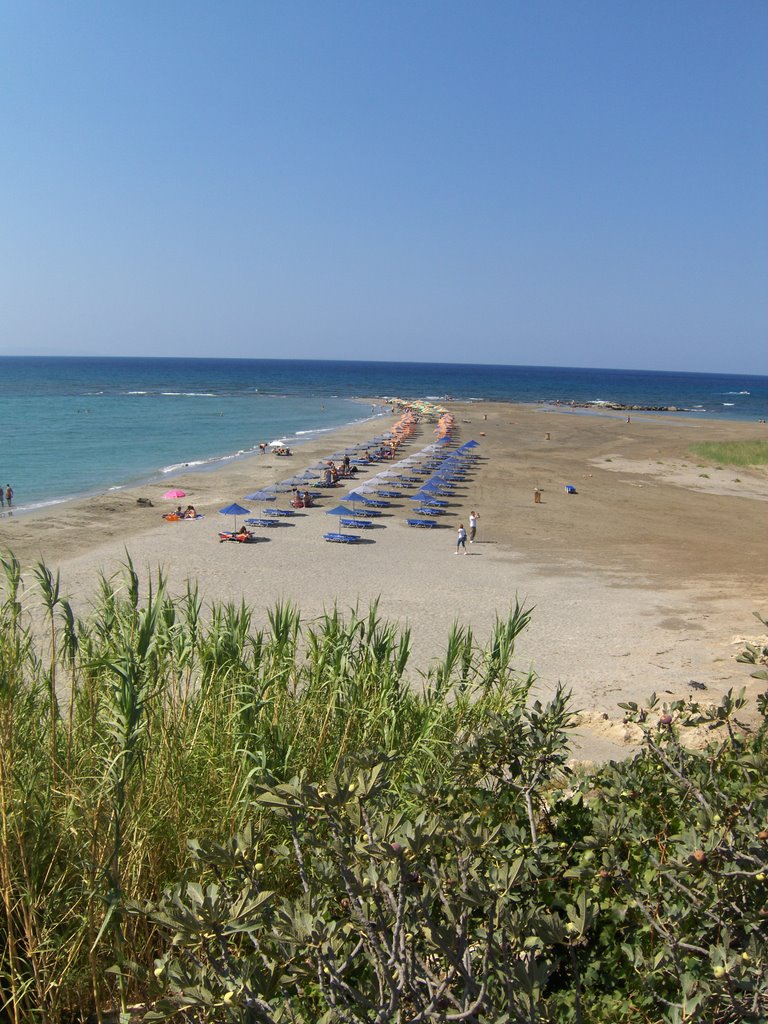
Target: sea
[{"x": 77, "y": 426}]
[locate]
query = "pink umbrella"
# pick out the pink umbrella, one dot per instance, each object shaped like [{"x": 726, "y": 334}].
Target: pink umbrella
[{"x": 175, "y": 494}]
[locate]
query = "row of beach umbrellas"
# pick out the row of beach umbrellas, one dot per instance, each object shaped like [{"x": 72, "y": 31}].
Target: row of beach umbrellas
[{"x": 441, "y": 467}]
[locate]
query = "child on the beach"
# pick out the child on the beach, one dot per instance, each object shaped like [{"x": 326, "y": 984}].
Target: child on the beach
[{"x": 461, "y": 539}]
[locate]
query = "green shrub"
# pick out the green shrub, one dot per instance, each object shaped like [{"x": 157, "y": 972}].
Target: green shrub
[{"x": 277, "y": 825}]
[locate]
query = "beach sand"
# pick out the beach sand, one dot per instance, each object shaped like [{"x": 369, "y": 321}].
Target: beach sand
[{"x": 643, "y": 580}]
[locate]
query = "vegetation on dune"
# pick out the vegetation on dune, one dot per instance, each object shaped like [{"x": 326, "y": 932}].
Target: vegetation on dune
[
  {"x": 274, "y": 826},
  {"x": 733, "y": 453}
]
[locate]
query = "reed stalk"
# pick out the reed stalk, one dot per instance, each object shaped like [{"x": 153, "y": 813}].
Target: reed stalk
[{"x": 175, "y": 714}]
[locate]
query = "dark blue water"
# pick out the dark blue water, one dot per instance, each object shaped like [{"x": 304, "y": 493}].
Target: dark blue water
[{"x": 70, "y": 426}]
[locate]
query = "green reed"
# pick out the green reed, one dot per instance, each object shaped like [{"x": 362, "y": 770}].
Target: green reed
[{"x": 152, "y": 720}]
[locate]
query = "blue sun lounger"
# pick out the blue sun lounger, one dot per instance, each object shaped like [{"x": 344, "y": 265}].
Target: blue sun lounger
[
  {"x": 341, "y": 538},
  {"x": 427, "y": 511},
  {"x": 279, "y": 512},
  {"x": 374, "y": 503},
  {"x": 427, "y": 524},
  {"x": 368, "y": 513},
  {"x": 263, "y": 522},
  {"x": 390, "y": 494},
  {"x": 357, "y": 524}
]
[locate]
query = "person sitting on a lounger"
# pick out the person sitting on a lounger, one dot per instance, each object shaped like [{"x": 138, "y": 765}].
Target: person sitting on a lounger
[
  {"x": 190, "y": 512},
  {"x": 243, "y": 531}
]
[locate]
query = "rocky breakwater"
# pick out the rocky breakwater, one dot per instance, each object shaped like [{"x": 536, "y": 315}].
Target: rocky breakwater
[{"x": 614, "y": 406}]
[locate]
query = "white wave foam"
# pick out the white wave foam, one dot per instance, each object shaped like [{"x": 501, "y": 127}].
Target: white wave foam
[
  {"x": 184, "y": 465},
  {"x": 40, "y": 504},
  {"x": 729, "y": 403},
  {"x": 137, "y": 392}
]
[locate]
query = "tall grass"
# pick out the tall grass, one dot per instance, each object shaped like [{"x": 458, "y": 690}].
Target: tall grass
[
  {"x": 125, "y": 734},
  {"x": 733, "y": 453}
]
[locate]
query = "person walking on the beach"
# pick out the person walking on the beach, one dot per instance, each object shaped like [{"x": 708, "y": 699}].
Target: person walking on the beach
[
  {"x": 473, "y": 517},
  {"x": 8, "y": 495},
  {"x": 461, "y": 539},
  {"x": 2, "y": 497}
]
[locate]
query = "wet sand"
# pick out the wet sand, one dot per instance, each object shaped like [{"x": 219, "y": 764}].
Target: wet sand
[{"x": 641, "y": 581}]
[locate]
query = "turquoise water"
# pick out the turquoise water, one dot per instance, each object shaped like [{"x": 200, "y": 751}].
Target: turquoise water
[{"x": 73, "y": 426}]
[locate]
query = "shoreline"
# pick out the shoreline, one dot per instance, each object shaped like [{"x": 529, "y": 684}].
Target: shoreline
[
  {"x": 215, "y": 463},
  {"x": 640, "y": 581},
  {"x": 202, "y": 465}
]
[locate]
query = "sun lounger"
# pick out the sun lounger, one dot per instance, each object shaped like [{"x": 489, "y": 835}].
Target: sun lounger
[
  {"x": 262, "y": 522},
  {"x": 341, "y": 538},
  {"x": 376, "y": 503},
  {"x": 369, "y": 513},
  {"x": 426, "y": 511},
  {"x": 390, "y": 494},
  {"x": 278, "y": 512},
  {"x": 357, "y": 524},
  {"x": 427, "y": 524}
]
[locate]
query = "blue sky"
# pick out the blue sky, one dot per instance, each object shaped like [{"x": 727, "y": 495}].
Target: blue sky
[{"x": 554, "y": 183}]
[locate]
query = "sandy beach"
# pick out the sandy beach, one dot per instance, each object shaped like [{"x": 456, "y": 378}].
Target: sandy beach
[{"x": 643, "y": 580}]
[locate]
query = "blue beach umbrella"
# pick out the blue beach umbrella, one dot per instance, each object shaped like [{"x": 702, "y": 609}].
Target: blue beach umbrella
[
  {"x": 340, "y": 510},
  {"x": 234, "y": 510},
  {"x": 353, "y": 496},
  {"x": 261, "y": 496}
]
